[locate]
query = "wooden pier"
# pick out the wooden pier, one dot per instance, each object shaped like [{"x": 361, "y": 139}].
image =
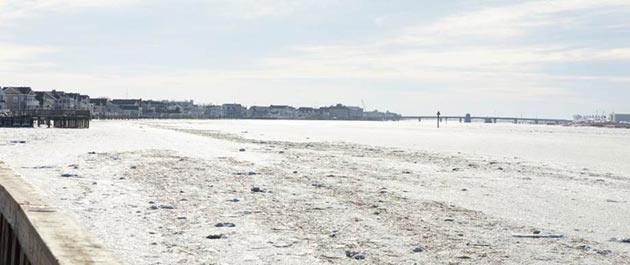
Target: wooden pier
[{"x": 76, "y": 119}]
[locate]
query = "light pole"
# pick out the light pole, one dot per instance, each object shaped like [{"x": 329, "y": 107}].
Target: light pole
[{"x": 438, "y": 119}]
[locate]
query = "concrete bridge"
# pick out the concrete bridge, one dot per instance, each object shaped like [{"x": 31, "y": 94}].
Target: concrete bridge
[{"x": 468, "y": 119}]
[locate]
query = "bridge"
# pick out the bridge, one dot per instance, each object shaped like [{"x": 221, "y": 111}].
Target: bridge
[{"x": 468, "y": 119}]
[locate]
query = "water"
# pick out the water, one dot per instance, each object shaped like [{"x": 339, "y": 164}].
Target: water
[
  {"x": 599, "y": 149},
  {"x": 546, "y": 187}
]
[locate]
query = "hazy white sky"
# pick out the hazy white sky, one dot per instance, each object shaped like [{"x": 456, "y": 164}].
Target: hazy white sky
[{"x": 530, "y": 58}]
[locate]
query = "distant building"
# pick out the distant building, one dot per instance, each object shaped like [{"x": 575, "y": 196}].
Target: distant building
[
  {"x": 19, "y": 98},
  {"x": 154, "y": 108},
  {"x": 620, "y": 118},
  {"x": 213, "y": 112},
  {"x": 381, "y": 116},
  {"x": 282, "y": 112},
  {"x": 234, "y": 111},
  {"x": 1, "y": 101},
  {"x": 341, "y": 112},
  {"x": 15, "y": 99},
  {"x": 130, "y": 108},
  {"x": 66, "y": 101},
  {"x": 307, "y": 113},
  {"x": 355, "y": 113},
  {"x": 597, "y": 118},
  {"x": 258, "y": 112},
  {"x": 84, "y": 103},
  {"x": 46, "y": 100},
  {"x": 99, "y": 106},
  {"x": 71, "y": 101}
]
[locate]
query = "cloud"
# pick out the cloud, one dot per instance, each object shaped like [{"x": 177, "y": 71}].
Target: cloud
[
  {"x": 16, "y": 9},
  {"x": 12, "y": 52},
  {"x": 508, "y": 21},
  {"x": 21, "y": 57},
  {"x": 493, "y": 50},
  {"x": 461, "y": 48},
  {"x": 257, "y": 9}
]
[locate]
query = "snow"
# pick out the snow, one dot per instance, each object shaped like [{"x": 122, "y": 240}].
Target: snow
[{"x": 382, "y": 189}]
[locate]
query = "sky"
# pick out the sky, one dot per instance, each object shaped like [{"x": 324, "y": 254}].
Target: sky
[{"x": 485, "y": 57}]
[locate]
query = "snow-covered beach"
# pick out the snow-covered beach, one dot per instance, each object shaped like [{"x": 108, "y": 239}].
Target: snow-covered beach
[{"x": 322, "y": 192}]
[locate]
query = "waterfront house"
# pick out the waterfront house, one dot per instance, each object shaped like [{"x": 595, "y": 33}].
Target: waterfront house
[
  {"x": 196, "y": 111},
  {"x": 341, "y": 112},
  {"x": 84, "y": 103},
  {"x": 127, "y": 102},
  {"x": 323, "y": 113},
  {"x": 381, "y": 116},
  {"x": 213, "y": 111},
  {"x": 307, "y": 113},
  {"x": 355, "y": 113},
  {"x": 99, "y": 106},
  {"x": 234, "y": 111},
  {"x": 258, "y": 112},
  {"x": 125, "y": 108},
  {"x": 70, "y": 101},
  {"x": 19, "y": 98},
  {"x": 153, "y": 108},
  {"x": 282, "y": 112},
  {"x": 65, "y": 101},
  {"x": 46, "y": 100}
]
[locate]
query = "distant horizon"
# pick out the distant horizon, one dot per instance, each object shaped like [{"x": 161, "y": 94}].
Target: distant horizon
[{"x": 510, "y": 58}]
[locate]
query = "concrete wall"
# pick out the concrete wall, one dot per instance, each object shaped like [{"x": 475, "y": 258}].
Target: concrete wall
[{"x": 45, "y": 234}]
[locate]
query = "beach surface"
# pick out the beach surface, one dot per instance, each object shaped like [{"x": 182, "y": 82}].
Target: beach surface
[{"x": 336, "y": 192}]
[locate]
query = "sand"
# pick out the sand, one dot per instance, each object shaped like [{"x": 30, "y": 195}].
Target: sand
[{"x": 154, "y": 191}]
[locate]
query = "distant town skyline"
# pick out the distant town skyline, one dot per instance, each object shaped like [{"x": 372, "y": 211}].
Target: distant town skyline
[{"x": 487, "y": 57}]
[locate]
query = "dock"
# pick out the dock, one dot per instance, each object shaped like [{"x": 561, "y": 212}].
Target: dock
[{"x": 76, "y": 119}]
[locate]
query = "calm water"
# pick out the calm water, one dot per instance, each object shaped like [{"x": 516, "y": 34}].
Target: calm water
[{"x": 604, "y": 150}]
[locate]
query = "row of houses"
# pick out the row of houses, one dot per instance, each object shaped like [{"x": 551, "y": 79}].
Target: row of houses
[
  {"x": 16, "y": 99},
  {"x": 138, "y": 108}
]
